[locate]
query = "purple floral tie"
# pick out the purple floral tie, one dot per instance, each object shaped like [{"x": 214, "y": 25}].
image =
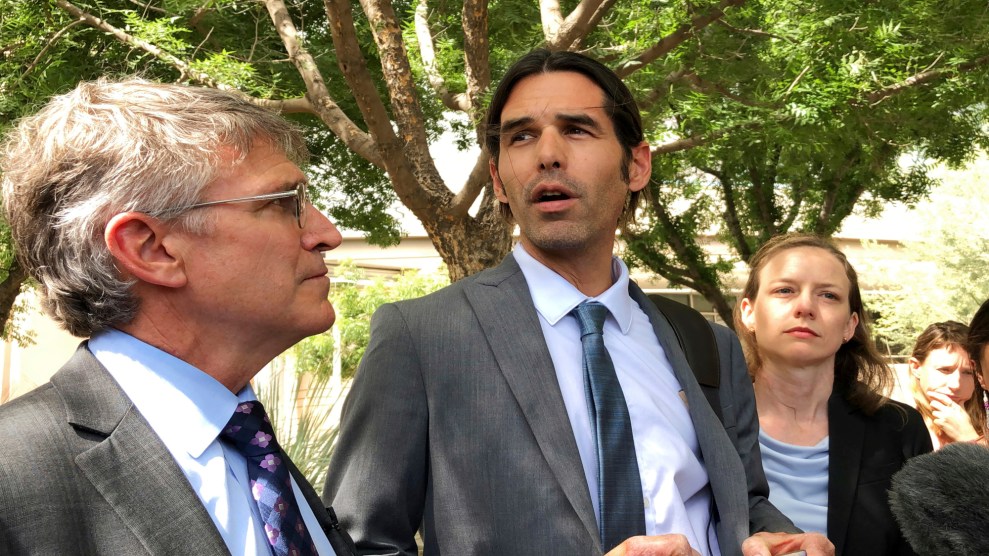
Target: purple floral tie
[{"x": 249, "y": 431}]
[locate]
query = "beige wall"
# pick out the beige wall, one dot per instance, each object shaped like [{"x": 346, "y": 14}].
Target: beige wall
[{"x": 26, "y": 368}]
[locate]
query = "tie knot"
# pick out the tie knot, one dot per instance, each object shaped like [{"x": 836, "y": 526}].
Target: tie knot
[
  {"x": 590, "y": 315},
  {"x": 250, "y": 431}
]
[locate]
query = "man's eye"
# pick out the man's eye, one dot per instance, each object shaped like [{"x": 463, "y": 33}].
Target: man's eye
[
  {"x": 285, "y": 203},
  {"x": 519, "y": 136}
]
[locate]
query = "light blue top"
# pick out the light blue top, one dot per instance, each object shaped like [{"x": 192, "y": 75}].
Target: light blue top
[
  {"x": 187, "y": 409},
  {"x": 798, "y": 481}
]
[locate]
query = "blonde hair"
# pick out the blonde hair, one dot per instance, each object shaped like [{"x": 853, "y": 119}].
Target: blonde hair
[{"x": 861, "y": 374}]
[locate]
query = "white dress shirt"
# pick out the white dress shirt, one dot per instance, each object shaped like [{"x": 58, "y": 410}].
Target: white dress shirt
[
  {"x": 675, "y": 487},
  {"x": 187, "y": 409}
]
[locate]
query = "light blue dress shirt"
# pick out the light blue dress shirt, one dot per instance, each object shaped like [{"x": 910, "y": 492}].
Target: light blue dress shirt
[
  {"x": 187, "y": 409},
  {"x": 798, "y": 480},
  {"x": 676, "y": 490}
]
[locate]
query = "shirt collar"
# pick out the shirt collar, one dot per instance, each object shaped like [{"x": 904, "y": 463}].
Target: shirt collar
[
  {"x": 186, "y": 407},
  {"x": 554, "y": 297}
]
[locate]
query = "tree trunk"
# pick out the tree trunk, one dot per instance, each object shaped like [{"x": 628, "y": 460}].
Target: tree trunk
[{"x": 471, "y": 244}]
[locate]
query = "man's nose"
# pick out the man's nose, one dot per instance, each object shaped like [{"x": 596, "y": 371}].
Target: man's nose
[
  {"x": 319, "y": 234},
  {"x": 552, "y": 150}
]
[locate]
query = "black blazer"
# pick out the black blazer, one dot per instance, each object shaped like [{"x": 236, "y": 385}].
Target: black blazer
[{"x": 865, "y": 452}]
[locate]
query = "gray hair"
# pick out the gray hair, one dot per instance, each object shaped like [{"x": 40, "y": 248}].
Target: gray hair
[{"x": 110, "y": 147}]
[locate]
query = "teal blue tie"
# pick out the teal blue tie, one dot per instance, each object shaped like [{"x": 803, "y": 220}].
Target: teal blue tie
[{"x": 619, "y": 485}]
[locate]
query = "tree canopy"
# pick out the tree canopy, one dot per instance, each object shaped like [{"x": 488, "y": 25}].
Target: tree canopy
[{"x": 764, "y": 116}]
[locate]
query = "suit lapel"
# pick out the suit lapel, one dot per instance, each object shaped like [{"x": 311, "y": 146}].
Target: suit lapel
[
  {"x": 130, "y": 467},
  {"x": 501, "y": 301},
  {"x": 719, "y": 456},
  {"x": 845, "y": 431}
]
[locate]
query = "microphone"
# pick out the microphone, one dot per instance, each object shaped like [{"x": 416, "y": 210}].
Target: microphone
[{"x": 941, "y": 501}]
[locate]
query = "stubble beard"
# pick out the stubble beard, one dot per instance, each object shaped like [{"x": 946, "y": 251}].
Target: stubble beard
[{"x": 554, "y": 234}]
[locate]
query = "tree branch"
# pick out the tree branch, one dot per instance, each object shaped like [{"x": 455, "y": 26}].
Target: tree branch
[
  {"x": 582, "y": 20},
  {"x": 51, "y": 42},
  {"x": 732, "y": 221},
  {"x": 126, "y": 38},
  {"x": 473, "y": 187},
  {"x": 756, "y": 32},
  {"x": 924, "y": 77},
  {"x": 405, "y": 107},
  {"x": 316, "y": 90},
  {"x": 685, "y": 143},
  {"x": 149, "y": 7},
  {"x": 476, "y": 61},
  {"x": 458, "y": 103},
  {"x": 299, "y": 105},
  {"x": 660, "y": 91},
  {"x": 287, "y": 106},
  {"x": 551, "y": 18},
  {"x": 676, "y": 38},
  {"x": 701, "y": 85},
  {"x": 690, "y": 255},
  {"x": 354, "y": 68},
  {"x": 765, "y": 202}
]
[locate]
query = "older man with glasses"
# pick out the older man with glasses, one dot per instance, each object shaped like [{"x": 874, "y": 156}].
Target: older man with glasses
[{"x": 170, "y": 226}]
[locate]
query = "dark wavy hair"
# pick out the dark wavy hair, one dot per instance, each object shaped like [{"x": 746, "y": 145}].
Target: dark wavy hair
[{"x": 978, "y": 336}]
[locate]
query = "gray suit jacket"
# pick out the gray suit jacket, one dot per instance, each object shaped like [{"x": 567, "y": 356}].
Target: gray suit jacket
[
  {"x": 456, "y": 423},
  {"x": 81, "y": 472}
]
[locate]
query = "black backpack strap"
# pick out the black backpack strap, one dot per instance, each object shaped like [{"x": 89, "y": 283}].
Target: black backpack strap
[{"x": 697, "y": 340}]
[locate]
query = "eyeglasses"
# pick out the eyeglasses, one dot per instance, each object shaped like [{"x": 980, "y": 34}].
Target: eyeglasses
[{"x": 300, "y": 193}]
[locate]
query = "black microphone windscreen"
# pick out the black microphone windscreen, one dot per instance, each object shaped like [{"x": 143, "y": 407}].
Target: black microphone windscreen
[{"x": 941, "y": 501}]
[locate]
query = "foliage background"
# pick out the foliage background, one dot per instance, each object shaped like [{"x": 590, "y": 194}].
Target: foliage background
[
  {"x": 765, "y": 115},
  {"x": 355, "y": 298},
  {"x": 943, "y": 272}
]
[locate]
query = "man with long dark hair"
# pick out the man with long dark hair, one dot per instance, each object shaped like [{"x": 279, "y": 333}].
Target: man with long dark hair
[{"x": 545, "y": 406}]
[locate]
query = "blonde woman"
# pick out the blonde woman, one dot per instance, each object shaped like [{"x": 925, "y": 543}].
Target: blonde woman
[{"x": 830, "y": 441}]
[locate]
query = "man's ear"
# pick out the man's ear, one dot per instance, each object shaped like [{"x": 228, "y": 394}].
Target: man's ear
[
  {"x": 140, "y": 245},
  {"x": 499, "y": 187},
  {"x": 640, "y": 167}
]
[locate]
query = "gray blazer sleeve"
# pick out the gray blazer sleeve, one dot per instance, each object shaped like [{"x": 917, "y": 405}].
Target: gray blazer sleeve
[
  {"x": 742, "y": 425},
  {"x": 379, "y": 469}
]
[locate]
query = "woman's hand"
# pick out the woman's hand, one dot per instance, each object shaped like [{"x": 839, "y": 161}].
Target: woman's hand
[{"x": 951, "y": 418}]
